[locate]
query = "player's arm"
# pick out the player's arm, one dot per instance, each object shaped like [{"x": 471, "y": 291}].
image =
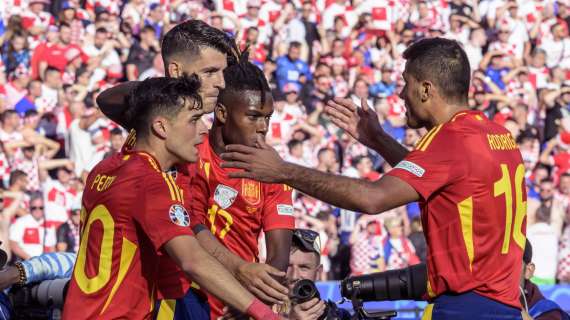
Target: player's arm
[
  {"x": 212, "y": 276},
  {"x": 278, "y": 248},
  {"x": 112, "y": 101},
  {"x": 278, "y": 221},
  {"x": 258, "y": 278},
  {"x": 265, "y": 164},
  {"x": 362, "y": 123}
]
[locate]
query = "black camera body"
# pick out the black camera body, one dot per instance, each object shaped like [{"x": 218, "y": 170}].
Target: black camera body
[
  {"x": 305, "y": 290},
  {"x": 39, "y": 301},
  {"x": 402, "y": 284}
]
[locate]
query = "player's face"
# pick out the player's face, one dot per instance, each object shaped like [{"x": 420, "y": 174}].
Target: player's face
[
  {"x": 209, "y": 66},
  {"x": 185, "y": 132},
  {"x": 247, "y": 119},
  {"x": 302, "y": 265},
  {"x": 415, "y": 111}
]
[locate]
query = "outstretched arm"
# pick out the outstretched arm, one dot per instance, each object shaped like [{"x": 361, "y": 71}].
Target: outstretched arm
[
  {"x": 264, "y": 164},
  {"x": 112, "y": 101},
  {"x": 362, "y": 123}
]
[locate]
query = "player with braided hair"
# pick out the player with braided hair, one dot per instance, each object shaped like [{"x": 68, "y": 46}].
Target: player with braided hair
[{"x": 228, "y": 216}]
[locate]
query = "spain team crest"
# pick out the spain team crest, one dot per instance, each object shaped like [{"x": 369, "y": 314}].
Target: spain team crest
[{"x": 251, "y": 191}]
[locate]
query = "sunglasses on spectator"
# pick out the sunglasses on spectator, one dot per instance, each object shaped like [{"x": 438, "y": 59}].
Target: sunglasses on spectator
[
  {"x": 37, "y": 208},
  {"x": 308, "y": 239}
]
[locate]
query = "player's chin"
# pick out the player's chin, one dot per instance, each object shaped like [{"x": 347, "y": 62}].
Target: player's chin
[
  {"x": 209, "y": 103},
  {"x": 190, "y": 156}
]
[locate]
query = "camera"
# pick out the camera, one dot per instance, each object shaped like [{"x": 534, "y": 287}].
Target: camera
[
  {"x": 402, "y": 284},
  {"x": 42, "y": 300},
  {"x": 305, "y": 290}
]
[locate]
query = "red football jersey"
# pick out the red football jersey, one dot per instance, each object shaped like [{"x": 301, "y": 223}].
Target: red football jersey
[
  {"x": 469, "y": 174},
  {"x": 130, "y": 209},
  {"x": 236, "y": 210}
]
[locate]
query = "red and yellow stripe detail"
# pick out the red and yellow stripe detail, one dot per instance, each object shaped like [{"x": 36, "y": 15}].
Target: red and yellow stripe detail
[{"x": 425, "y": 141}]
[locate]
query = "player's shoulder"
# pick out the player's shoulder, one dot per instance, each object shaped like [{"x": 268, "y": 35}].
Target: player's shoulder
[{"x": 460, "y": 131}]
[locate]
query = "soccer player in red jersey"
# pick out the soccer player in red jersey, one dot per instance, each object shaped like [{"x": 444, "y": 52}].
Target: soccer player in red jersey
[
  {"x": 133, "y": 212},
  {"x": 193, "y": 47},
  {"x": 236, "y": 211},
  {"x": 466, "y": 172}
]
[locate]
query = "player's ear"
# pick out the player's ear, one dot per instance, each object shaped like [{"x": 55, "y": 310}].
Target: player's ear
[
  {"x": 426, "y": 90},
  {"x": 221, "y": 112},
  {"x": 159, "y": 127},
  {"x": 175, "y": 69}
]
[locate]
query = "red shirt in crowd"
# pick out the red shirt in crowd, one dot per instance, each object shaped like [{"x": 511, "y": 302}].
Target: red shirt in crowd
[{"x": 469, "y": 174}]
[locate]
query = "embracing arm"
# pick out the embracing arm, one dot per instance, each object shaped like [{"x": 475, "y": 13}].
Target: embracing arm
[
  {"x": 264, "y": 164},
  {"x": 349, "y": 193},
  {"x": 112, "y": 101},
  {"x": 256, "y": 277}
]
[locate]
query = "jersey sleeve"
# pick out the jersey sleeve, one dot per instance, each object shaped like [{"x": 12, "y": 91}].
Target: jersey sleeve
[
  {"x": 278, "y": 208},
  {"x": 428, "y": 169},
  {"x": 200, "y": 194},
  {"x": 162, "y": 214}
]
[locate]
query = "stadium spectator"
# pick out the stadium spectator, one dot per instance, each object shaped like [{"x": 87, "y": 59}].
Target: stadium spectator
[
  {"x": 68, "y": 233},
  {"x": 29, "y": 236}
]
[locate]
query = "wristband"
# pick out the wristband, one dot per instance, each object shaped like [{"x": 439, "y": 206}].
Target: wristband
[
  {"x": 260, "y": 311},
  {"x": 22, "y": 274}
]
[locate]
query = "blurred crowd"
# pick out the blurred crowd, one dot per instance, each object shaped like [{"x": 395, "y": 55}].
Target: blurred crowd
[{"x": 57, "y": 55}]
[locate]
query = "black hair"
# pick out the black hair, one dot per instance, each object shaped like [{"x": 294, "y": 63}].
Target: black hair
[
  {"x": 159, "y": 96},
  {"x": 31, "y": 113},
  {"x": 442, "y": 62},
  {"x": 16, "y": 175},
  {"x": 50, "y": 69},
  {"x": 63, "y": 25},
  {"x": 295, "y": 44},
  {"x": 101, "y": 30},
  {"x": 294, "y": 143},
  {"x": 188, "y": 37},
  {"x": 527, "y": 255},
  {"x": 7, "y": 113},
  {"x": 148, "y": 28},
  {"x": 116, "y": 132},
  {"x": 244, "y": 76}
]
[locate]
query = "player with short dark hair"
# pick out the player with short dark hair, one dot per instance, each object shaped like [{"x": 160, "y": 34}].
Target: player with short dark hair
[
  {"x": 467, "y": 173},
  {"x": 191, "y": 47},
  {"x": 237, "y": 211},
  {"x": 134, "y": 214}
]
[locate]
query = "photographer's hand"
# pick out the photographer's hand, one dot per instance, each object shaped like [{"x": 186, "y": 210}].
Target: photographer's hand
[{"x": 310, "y": 310}]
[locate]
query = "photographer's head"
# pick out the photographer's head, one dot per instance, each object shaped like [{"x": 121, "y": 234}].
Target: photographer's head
[{"x": 305, "y": 257}]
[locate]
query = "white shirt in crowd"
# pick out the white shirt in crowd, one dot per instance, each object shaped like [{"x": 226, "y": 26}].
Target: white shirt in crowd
[
  {"x": 543, "y": 238},
  {"x": 58, "y": 201},
  {"x": 81, "y": 148},
  {"x": 31, "y": 236}
]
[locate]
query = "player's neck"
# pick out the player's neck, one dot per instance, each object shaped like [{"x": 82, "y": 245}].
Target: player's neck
[
  {"x": 445, "y": 114},
  {"x": 156, "y": 149},
  {"x": 217, "y": 140}
]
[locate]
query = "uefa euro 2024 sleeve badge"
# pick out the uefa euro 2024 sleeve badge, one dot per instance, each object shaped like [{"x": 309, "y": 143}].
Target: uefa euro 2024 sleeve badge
[{"x": 179, "y": 215}]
